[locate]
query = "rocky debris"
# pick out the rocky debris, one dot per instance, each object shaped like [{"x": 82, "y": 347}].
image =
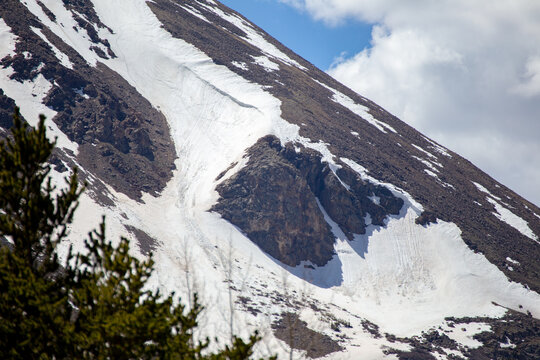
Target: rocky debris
[
  {"x": 371, "y": 328},
  {"x": 147, "y": 244},
  {"x": 519, "y": 332},
  {"x": 89, "y": 22},
  {"x": 426, "y": 218},
  {"x": 123, "y": 140},
  {"x": 514, "y": 336},
  {"x": 294, "y": 331},
  {"x": 273, "y": 200}
]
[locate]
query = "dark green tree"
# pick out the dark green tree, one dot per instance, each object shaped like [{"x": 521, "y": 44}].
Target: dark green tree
[{"x": 93, "y": 305}]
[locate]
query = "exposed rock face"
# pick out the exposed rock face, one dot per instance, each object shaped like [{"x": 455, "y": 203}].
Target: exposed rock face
[
  {"x": 122, "y": 139},
  {"x": 271, "y": 202},
  {"x": 273, "y": 199}
]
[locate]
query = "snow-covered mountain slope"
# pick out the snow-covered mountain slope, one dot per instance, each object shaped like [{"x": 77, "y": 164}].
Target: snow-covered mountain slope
[{"x": 288, "y": 202}]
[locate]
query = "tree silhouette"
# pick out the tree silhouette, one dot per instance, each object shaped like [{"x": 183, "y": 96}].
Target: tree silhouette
[{"x": 91, "y": 305}]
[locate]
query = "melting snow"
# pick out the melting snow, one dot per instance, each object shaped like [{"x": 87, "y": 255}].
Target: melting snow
[
  {"x": 424, "y": 151},
  {"x": 194, "y": 12},
  {"x": 7, "y": 40},
  {"x": 66, "y": 28},
  {"x": 438, "y": 148},
  {"x": 513, "y": 220},
  {"x": 427, "y": 163},
  {"x": 464, "y": 333},
  {"x": 507, "y": 216},
  {"x": 375, "y": 199},
  {"x": 431, "y": 173},
  {"x": 254, "y": 37},
  {"x": 512, "y": 261},
  {"x": 240, "y": 65},
  {"x": 28, "y": 95},
  {"x": 360, "y": 110},
  {"x": 484, "y": 190},
  {"x": 64, "y": 59},
  {"x": 266, "y": 63}
]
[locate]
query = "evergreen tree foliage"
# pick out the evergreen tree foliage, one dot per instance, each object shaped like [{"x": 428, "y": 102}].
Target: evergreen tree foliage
[{"x": 93, "y": 305}]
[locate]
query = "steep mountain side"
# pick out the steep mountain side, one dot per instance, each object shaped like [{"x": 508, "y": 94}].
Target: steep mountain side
[
  {"x": 254, "y": 177},
  {"x": 440, "y": 180},
  {"x": 122, "y": 139}
]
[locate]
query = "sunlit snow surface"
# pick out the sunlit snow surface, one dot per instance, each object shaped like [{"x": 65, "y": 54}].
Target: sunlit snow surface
[
  {"x": 404, "y": 277},
  {"x": 507, "y": 216}
]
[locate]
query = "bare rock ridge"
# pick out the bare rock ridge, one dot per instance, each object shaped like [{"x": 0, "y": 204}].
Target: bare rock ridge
[{"x": 273, "y": 199}]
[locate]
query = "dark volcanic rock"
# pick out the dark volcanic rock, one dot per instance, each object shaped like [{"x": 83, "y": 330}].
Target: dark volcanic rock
[{"x": 273, "y": 199}]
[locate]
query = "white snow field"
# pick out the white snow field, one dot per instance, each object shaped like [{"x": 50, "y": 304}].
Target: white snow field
[{"x": 403, "y": 277}]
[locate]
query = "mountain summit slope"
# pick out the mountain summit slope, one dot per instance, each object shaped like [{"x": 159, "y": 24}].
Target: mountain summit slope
[{"x": 255, "y": 177}]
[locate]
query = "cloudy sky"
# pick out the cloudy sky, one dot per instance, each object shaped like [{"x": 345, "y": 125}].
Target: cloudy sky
[{"x": 465, "y": 73}]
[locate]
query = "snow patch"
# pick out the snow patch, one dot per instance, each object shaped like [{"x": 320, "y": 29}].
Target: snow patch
[
  {"x": 254, "y": 37},
  {"x": 512, "y": 261},
  {"x": 507, "y": 216},
  {"x": 64, "y": 59},
  {"x": 513, "y": 220},
  {"x": 427, "y": 163},
  {"x": 66, "y": 28},
  {"x": 362, "y": 111},
  {"x": 438, "y": 148},
  {"x": 266, "y": 63},
  {"x": 424, "y": 151},
  {"x": 375, "y": 199},
  {"x": 240, "y": 65},
  {"x": 431, "y": 173},
  {"x": 81, "y": 93},
  {"x": 194, "y": 12},
  {"x": 486, "y": 191},
  {"x": 29, "y": 95},
  {"x": 464, "y": 333}
]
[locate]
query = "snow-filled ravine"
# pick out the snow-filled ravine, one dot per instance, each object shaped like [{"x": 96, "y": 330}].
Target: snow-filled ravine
[{"x": 404, "y": 277}]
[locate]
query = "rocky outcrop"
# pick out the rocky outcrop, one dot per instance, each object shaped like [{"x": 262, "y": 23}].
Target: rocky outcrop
[
  {"x": 123, "y": 140},
  {"x": 274, "y": 201},
  {"x": 296, "y": 333},
  {"x": 388, "y": 157},
  {"x": 271, "y": 202}
]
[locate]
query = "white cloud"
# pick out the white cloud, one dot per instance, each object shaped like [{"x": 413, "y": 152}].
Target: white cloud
[
  {"x": 466, "y": 73},
  {"x": 530, "y": 87}
]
